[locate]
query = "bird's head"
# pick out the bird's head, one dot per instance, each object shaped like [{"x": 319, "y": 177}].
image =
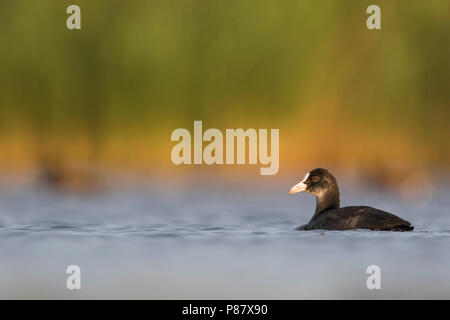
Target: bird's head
[{"x": 317, "y": 182}]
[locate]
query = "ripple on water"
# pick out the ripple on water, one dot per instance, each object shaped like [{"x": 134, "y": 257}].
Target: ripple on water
[{"x": 189, "y": 230}]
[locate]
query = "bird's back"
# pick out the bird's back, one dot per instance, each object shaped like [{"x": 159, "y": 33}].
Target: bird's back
[{"x": 358, "y": 217}]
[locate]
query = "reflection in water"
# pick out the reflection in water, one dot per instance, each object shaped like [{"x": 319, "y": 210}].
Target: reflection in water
[{"x": 211, "y": 243}]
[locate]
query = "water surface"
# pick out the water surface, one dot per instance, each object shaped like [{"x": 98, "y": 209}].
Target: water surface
[{"x": 213, "y": 243}]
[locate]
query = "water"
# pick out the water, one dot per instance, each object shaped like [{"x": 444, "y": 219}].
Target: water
[{"x": 181, "y": 242}]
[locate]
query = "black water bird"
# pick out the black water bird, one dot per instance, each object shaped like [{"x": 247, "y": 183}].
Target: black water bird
[{"x": 329, "y": 215}]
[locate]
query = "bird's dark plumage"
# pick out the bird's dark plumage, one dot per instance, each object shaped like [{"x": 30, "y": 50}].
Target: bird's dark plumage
[{"x": 329, "y": 215}]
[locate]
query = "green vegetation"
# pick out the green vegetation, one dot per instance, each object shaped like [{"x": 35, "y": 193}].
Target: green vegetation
[{"x": 139, "y": 69}]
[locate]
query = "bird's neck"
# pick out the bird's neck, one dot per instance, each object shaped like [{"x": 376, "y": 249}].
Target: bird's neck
[{"x": 327, "y": 200}]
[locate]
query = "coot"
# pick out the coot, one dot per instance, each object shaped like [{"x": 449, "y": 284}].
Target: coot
[{"x": 330, "y": 216}]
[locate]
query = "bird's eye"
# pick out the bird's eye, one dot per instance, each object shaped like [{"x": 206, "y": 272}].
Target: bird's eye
[{"x": 315, "y": 179}]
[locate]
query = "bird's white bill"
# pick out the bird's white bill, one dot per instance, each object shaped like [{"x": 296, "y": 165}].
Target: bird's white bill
[{"x": 301, "y": 186}]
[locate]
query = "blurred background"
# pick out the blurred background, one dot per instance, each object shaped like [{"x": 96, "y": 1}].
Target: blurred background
[
  {"x": 109, "y": 96},
  {"x": 86, "y": 118}
]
